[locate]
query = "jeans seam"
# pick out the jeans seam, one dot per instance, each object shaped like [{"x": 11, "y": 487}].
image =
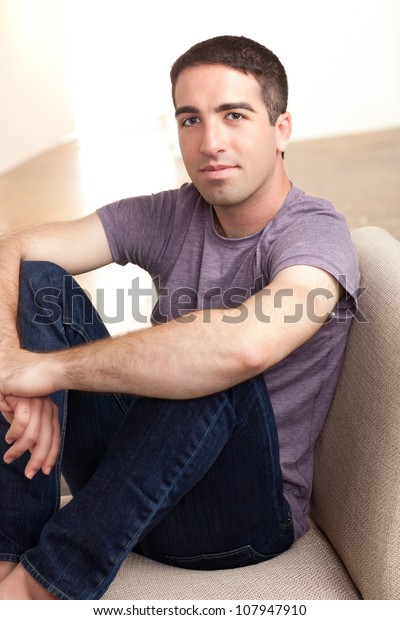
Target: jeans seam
[
  {"x": 248, "y": 550},
  {"x": 276, "y": 464},
  {"x": 9, "y": 557},
  {"x": 42, "y": 580},
  {"x": 216, "y": 556},
  {"x": 60, "y": 455},
  {"x": 78, "y": 329}
]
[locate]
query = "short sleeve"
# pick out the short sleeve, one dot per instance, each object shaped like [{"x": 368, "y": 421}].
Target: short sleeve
[
  {"x": 315, "y": 234},
  {"x": 138, "y": 229}
]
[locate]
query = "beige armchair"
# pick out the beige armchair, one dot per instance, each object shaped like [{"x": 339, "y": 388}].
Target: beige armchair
[{"x": 353, "y": 548}]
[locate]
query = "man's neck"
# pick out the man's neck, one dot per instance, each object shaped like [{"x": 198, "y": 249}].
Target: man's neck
[{"x": 243, "y": 220}]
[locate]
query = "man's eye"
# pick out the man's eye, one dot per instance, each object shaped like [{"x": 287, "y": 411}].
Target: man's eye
[
  {"x": 235, "y": 116},
  {"x": 190, "y": 121}
]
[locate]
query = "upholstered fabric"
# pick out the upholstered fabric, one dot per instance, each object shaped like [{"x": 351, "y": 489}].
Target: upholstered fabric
[
  {"x": 357, "y": 468},
  {"x": 309, "y": 570},
  {"x": 354, "y": 551}
]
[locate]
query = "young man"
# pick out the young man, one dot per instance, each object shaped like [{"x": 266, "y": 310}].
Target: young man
[{"x": 190, "y": 442}]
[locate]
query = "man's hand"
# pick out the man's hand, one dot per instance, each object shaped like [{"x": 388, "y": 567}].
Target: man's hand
[
  {"x": 34, "y": 426},
  {"x": 27, "y": 374},
  {"x": 24, "y": 387}
]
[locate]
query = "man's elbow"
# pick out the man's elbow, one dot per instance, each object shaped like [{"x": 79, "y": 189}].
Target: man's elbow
[{"x": 251, "y": 361}]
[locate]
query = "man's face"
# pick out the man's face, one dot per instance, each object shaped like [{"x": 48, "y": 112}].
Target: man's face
[{"x": 231, "y": 152}]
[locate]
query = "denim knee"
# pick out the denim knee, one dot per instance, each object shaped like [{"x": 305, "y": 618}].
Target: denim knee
[{"x": 34, "y": 271}]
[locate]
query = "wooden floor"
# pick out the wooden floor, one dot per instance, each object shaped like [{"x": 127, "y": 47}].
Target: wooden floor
[{"x": 360, "y": 174}]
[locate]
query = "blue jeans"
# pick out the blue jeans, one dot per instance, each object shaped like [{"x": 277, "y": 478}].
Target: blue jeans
[{"x": 193, "y": 483}]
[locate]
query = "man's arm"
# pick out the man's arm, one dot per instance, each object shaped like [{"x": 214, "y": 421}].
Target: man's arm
[
  {"x": 78, "y": 246},
  {"x": 193, "y": 356}
]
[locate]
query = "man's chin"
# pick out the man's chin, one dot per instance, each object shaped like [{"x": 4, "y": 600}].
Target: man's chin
[{"x": 219, "y": 196}]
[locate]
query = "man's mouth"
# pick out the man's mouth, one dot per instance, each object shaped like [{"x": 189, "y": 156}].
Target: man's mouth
[
  {"x": 216, "y": 168},
  {"x": 219, "y": 171}
]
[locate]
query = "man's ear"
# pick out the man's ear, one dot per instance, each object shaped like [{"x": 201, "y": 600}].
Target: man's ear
[{"x": 283, "y": 128}]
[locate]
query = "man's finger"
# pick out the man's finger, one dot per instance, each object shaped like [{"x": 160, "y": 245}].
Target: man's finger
[
  {"x": 24, "y": 430},
  {"x": 45, "y": 452},
  {"x": 21, "y": 419},
  {"x": 5, "y": 406},
  {"x": 42, "y": 448},
  {"x": 55, "y": 447}
]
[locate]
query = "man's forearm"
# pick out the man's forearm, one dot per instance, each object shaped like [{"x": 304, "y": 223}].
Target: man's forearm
[
  {"x": 209, "y": 351},
  {"x": 174, "y": 360},
  {"x": 186, "y": 358},
  {"x": 168, "y": 361},
  {"x": 63, "y": 243},
  {"x": 10, "y": 260}
]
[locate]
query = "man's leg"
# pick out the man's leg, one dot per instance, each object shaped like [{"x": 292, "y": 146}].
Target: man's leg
[
  {"x": 236, "y": 514},
  {"x": 53, "y": 316},
  {"x": 162, "y": 450},
  {"x": 5, "y": 569},
  {"x": 182, "y": 478}
]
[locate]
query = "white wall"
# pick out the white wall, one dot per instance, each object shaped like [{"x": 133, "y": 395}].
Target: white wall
[
  {"x": 342, "y": 59},
  {"x": 35, "y": 103},
  {"x": 343, "y": 62},
  {"x": 342, "y": 56}
]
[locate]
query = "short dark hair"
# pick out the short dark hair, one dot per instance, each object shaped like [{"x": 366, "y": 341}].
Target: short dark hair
[{"x": 244, "y": 55}]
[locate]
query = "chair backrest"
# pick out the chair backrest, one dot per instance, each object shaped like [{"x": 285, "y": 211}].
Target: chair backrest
[{"x": 356, "y": 495}]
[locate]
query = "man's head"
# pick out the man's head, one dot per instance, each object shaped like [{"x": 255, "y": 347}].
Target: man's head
[
  {"x": 244, "y": 55},
  {"x": 233, "y": 127}
]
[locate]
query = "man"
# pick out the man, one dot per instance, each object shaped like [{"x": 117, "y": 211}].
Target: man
[{"x": 190, "y": 442}]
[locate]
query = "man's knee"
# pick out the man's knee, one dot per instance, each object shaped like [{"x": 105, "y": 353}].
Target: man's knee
[
  {"x": 33, "y": 269},
  {"x": 40, "y": 291}
]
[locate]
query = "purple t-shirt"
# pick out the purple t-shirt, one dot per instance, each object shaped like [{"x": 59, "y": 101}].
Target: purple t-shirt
[{"x": 172, "y": 236}]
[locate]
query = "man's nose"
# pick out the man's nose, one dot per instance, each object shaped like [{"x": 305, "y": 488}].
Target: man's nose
[{"x": 212, "y": 139}]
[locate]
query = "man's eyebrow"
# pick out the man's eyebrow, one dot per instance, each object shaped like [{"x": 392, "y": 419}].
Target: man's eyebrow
[
  {"x": 231, "y": 105},
  {"x": 186, "y": 109},
  {"x": 235, "y": 105}
]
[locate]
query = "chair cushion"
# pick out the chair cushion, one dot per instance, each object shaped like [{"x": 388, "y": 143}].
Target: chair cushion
[
  {"x": 309, "y": 570},
  {"x": 356, "y": 496}
]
